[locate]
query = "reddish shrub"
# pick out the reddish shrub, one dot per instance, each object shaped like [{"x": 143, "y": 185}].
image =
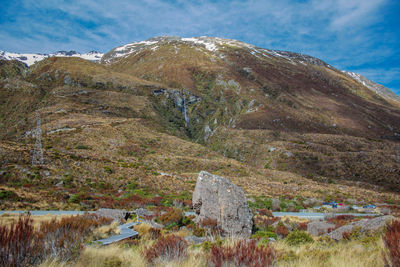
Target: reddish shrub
[
  {"x": 170, "y": 248},
  {"x": 17, "y": 245},
  {"x": 62, "y": 239},
  {"x": 188, "y": 203},
  {"x": 263, "y": 223},
  {"x": 342, "y": 220},
  {"x": 211, "y": 227},
  {"x": 156, "y": 201},
  {"x": 391, "y": 239},
  {"x": 302, "y": 226},
  {"x": 243, "y": 253},
  {"x": 154, "y": 233},
  {"x": 346, "y": 235},
  {"x": 172, "y": 216},
  {"x": 281, "y": 230},
  {"x": 265, "y": 212}
]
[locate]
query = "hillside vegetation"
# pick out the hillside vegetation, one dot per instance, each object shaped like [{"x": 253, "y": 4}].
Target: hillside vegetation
[{"x": 140, "y": 126}]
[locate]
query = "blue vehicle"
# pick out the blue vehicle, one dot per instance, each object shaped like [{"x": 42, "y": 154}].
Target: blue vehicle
[
  {"x": 369, "y": 206},
  {"x": 333, "y": 204}
]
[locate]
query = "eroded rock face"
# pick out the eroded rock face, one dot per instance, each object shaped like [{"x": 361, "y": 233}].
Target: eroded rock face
[
  {"x": 364, "y": 226},
  {"x": 216, "y": 198}
]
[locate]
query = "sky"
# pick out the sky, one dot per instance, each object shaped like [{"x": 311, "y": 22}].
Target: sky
[{"x": 362, "y": 36}]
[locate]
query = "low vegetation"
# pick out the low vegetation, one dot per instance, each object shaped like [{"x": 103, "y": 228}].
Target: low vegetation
[{"x": 68, "y": 240}]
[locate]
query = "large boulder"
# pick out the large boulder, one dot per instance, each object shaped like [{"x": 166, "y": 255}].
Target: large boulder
[
  {"x": 218, "y": 199},
  {"x": 364, "y": 226}
]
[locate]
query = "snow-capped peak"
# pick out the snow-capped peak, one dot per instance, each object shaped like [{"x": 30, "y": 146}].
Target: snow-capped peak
[{"x": 30, "y": 59}]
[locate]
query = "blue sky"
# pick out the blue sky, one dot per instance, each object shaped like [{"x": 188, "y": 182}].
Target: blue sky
[{"x": 357, "y": 35}]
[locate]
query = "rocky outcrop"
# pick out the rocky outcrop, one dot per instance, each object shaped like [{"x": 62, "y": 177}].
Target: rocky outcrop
[
  {"x": 364, "y": 226},
  {"x": 317, "y": 228},
  {"x": 218, "y": 199},
  {"x": 115, "y": 214}
]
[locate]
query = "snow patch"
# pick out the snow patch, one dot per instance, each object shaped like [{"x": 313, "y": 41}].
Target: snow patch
[{"x": 30, "y": 59}]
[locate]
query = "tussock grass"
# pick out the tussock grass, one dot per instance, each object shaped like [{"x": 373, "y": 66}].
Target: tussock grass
[
  {"x": 320, "y": 253},
  {"x": 10, "y": 218},
  {"x": 341, "y": 254}
]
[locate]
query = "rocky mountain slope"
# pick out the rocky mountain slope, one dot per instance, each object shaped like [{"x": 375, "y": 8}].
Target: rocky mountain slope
[
  {"x": 30, "y": 59},
  {"x": 151, "y": 115},
  {"x": 377, "y": 88}
]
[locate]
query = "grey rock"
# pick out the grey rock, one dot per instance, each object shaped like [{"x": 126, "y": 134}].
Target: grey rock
[
  {"x": 217, "y": 198},
  {"x": 317, "y": 228},
  {"x": 154, "y": 224},
  {"x": 364, "y": 225},
  {"x": 311, "y": 202},
  {"x": 289, "y": 154},
  {"x": 385, "y": 211},
  {"x": 276, "y": 204},
  {"x": 115, "y": 214},
  {"x": 194, "y": 239},
  {"x": 143, "y": 212},
  {"x": 67, "y": 80}
]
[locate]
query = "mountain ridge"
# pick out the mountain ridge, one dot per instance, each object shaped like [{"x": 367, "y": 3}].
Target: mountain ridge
[{"x": 210, "y": 43}]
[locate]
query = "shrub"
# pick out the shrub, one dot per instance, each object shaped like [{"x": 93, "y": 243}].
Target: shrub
[
  {"x": 281, "y": 230},
  {"x": 242, "y": 253},
  {"x": 81, "y": 147},
  {"x": 170, "y": 248},
  {"x": 263, "y": 223},
  {"x": 265, "y": 212},
  {"x": 211, "y": 227},
  {"x": 341, "y": 220},
  {"x": 172, "y": 216},
  {"x": 391, "y": 239},
  {"x": 62, "y": 239},
  {"x": 108, "y": 169},
  {"x": 17, "y": 245},
  {"x": 186, "y": 221},
  {"x": 8, "y": 195},
  {"x": 154, "y": 233},
  {"x": 264, "y": 234},
  {"x": 199, "y": 232},
  {"x": 112, "y": 261},
  {"x": 296, "y": 238},
  {"x": 302, "y": 226}
]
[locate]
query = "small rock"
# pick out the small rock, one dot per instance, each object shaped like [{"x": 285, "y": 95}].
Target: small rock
[
  {"x": 67, "y": 80},
  {"x": 143, "y": 212},
  {"x": 289, "y": 154},
  {"x": 276, "y": 204}
]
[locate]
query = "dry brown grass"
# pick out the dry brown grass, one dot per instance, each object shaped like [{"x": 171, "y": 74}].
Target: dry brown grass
[
  {"x": 342, "y": 254},
  {"x": 10, "y": 218}
]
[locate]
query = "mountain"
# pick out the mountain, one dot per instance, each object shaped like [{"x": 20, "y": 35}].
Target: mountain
[
  {"x": 377, "y": 88},
  {"x": 30, "y": 59},
  {"x": 151, "y": 115}
]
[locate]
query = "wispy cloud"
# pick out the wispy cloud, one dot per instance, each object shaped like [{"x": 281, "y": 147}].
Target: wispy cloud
[{"x": 348, "y": 34}]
